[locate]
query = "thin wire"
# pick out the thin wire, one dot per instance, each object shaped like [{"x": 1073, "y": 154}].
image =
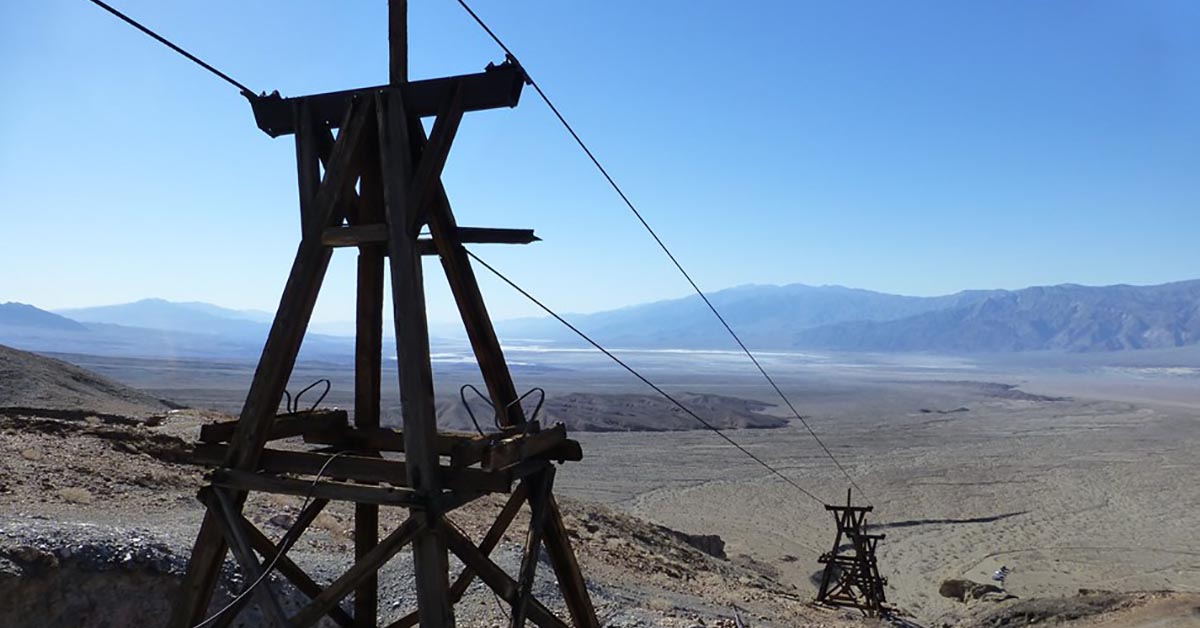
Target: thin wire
[
  {"x": 164, "y": 41},
  {"x": 663, "y": 246},
  {"x": 284, "y": 545},
  {"x": 641, "y": 377}
]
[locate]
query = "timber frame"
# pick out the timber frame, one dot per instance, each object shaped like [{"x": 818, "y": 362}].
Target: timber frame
[
  {"x": 381, "y": 185},
  {"x": 851, "y": 576}
]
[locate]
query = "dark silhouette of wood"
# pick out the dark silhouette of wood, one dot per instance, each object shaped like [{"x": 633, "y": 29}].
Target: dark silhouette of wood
[{"x": 851, "y": 576}]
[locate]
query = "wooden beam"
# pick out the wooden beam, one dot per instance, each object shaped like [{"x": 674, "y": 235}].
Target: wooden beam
[
  {"x": 308, "y": 162},
  {"x": 367, "y": 565},
  {"x": 397, "y": 42},
  {"x": 284, "y": 425},
  {"x": 490, "y": 540},
  {"x": 355, "y": 235},
  {"x": 275, "y": 364},
  {"x": 362, "y": 469},
  {"x": 510, "y": 451},
  {"x": 358, "y": 235},
  {"x": 499, "y": 86},
  {"x": 339, "y": 491},
  {"x": 387, "y": 439},
  {"x": 541, "y": 485},
  {"x": 433, "y": 156},
  {"x": 242, "y": 551},
  {"x": 290, "y": 570},
  {"x": 566, "y": 568},
  {"x": 471, "y": 307},
  {"x": 368, "y": 355},
  {"x": 494, "y": 576},
  {"x": 430, "y": 560}
]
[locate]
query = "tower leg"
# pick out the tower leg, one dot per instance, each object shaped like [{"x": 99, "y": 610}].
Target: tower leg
[
  {"x": 276, "y": 363},
  {"x": 430, "y": 559}
]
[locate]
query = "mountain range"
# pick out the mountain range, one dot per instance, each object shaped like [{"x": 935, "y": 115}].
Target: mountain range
[
  {"x": 1065, "y": 318},
  {"x": 150, "y": 328}
]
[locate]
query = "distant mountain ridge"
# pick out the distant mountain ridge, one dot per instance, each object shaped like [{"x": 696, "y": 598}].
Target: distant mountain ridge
[
  {"x": 1064, "y": 318},
  {"x": 191, "y": 317},
  {"x": 151, "y": 328},
  {"x": 21, "y": 315},
  {"x": 796, "y": 317}
]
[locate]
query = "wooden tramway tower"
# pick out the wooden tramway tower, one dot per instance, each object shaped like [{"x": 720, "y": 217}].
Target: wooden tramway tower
[
  {"x": 851, "y": 576},
  {"x": 381, "y": 185}
]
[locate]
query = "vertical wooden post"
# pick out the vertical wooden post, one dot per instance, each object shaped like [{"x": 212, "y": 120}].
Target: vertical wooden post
[
  {"x": 430, "y": 560},
  {"x": 368, "y": 351},
  {"x": 397, "y": 42}
]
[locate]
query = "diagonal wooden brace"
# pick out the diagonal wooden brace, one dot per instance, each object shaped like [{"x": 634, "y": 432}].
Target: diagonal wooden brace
[
  {"x": 494, "y": 576},
  {"x": 367, "y": 565}
]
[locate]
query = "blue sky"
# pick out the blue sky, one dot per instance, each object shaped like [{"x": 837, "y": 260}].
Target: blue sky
[{"x": 911, "y": 147}]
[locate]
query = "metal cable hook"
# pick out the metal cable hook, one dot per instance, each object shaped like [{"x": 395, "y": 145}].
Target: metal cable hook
[
  {"x": 293, "y": 404},
  {"x": 536, "y": 410},
  {"x": 462, "y": 394}
]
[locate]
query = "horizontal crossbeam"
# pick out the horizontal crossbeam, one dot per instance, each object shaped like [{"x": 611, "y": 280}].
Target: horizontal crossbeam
[
  {"x": 361, "y": 469},
  {"x": 496, "y": 451},
  {"x": 284, "y": 425},
  {"x": 357, "y": 235},
  {"x": 499, "y": 86}
]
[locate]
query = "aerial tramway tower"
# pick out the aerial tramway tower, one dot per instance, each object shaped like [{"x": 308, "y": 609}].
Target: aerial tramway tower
[{"x": 374, "y": 186}]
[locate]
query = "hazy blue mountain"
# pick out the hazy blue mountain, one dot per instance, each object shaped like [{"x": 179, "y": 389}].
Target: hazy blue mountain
[
  {"x": 764, "y": 316},
  {"x": 1061, "y": 318},
  {"x": 21, "y": 315},
  {"x": 152, "y": 328},
  {"x": 191, "y": 317},
  {"x": 1064, "y": 318}
]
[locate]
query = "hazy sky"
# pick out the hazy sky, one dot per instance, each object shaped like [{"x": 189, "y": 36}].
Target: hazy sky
[{"x": 910, "y": 147}]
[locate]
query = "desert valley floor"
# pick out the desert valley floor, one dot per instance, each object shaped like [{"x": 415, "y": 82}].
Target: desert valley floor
[{"x": 1074, "y": 478}]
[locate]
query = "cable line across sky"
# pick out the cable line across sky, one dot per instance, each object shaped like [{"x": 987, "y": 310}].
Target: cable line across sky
[{"x": 641, "y": 219}]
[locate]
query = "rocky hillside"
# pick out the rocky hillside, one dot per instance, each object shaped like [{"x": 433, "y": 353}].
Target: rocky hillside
[{"x": 28, "y": 380}]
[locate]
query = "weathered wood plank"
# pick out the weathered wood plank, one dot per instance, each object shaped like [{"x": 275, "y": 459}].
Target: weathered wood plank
[
  {"x": 499, "y": 86},
  {"x": 387, "y": 439},
  {"x": 494, "y": 576},
  {"x": 358, "y": 235},
  {"x": 308, "y": 162},
  {"x": 471, "y": 307},
  {"x": 290, "y": 570},
  {"x": 540, "y": 487},
  {"x": 510, "y": 451},
  {"x": 355, "y": 235},
  {"x": 284, "y": 425},
  {"x": 430, "y": 559},
  {"x": 338, "y": 491},
  {"x": 363, "y": 469},
  {"x": 368, "y": 354},
  {"x": 490, "y": 540},
  {"x": 566, "y": 568},
  {"x": 433, "y": 156},
  {"x": 367, "y": 565},
  {"x": 275, "y": 364},
  {"x": 235, "y": 536}
]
